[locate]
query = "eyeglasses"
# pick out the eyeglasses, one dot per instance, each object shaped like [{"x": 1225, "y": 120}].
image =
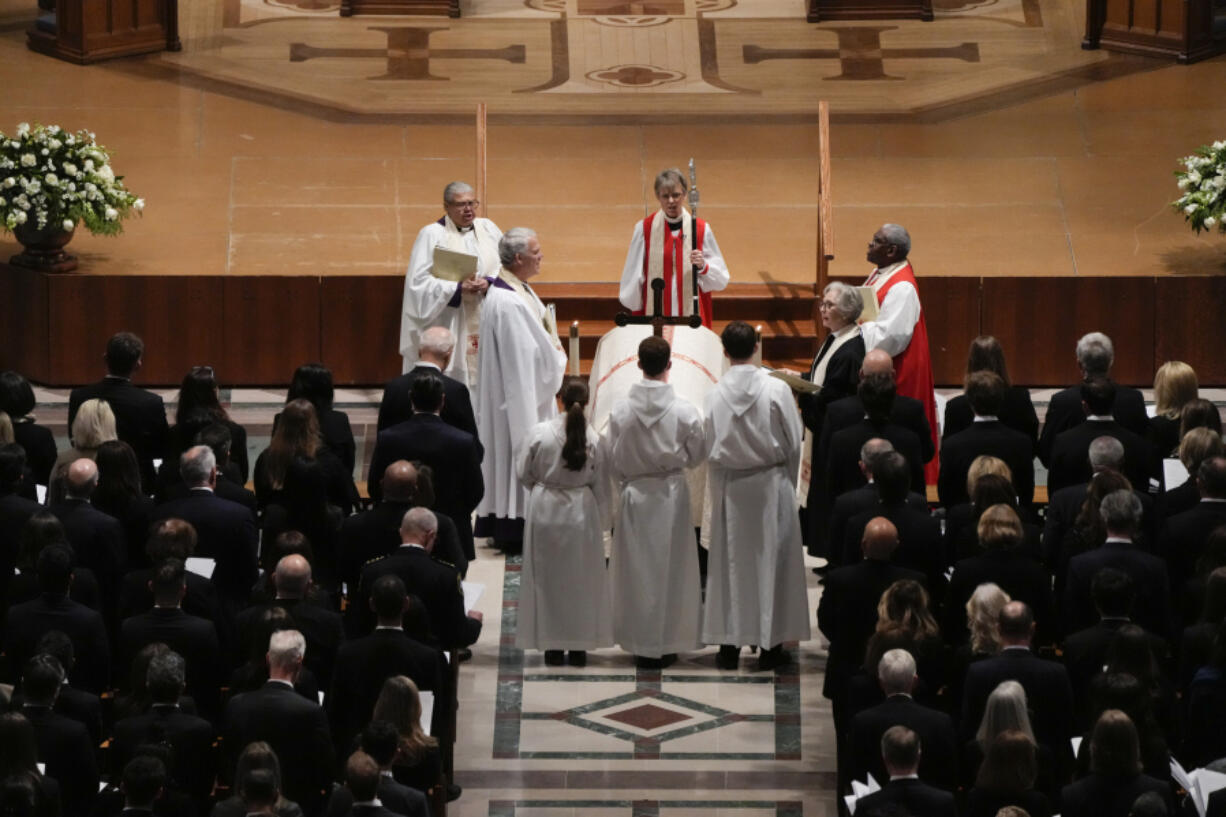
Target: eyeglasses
[
  {"x": 465, "y": 205},
  {"x": 826, "y": 305}
]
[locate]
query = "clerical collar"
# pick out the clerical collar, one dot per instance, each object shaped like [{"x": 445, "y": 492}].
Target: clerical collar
[
  {"x": 987, "y": 418},
  {"x": 886, "y": 272}
]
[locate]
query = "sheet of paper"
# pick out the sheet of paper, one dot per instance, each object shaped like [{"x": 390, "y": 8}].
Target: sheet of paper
[
  {"x": 473, "y": 591},
  {"x": 1180, "y": 776},
  {"x": 40, "y": 491},
  {"x": 201, "y": 566},
  {"x": 427, "y": 709},
  {"x": 1076, "y": 745},
  {"x": 450, "y": 265},
  {"x": 869, "y": 297},
  {"x": 1173, "y": 473}
]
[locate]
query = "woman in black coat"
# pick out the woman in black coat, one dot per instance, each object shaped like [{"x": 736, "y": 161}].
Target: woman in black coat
[
  {"x": 199, "y": 406},
  {"x": 1115, "y": 780},
  {"x": 17, "y": 401}
]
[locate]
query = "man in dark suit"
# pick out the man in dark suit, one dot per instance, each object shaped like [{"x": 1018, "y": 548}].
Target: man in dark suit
[
  {"x": 862, "y": 499},
  {"x": 193, "y": 638},
  {"x": 64, "y": 746},
  {"x": 143, "y": 782},
  {"x": 919, "y": 534},
  {"x": 53, "y": 610},
  {"x": 1085, "y": 651},
  {"x": 985, "y": 391},
  {"x": 322, "y": 628},
  {"x": 1048, "y": 691},
  {"x": 97, "y": 538},
  {"x": 140, "y": 416},
  {"x": 437, "y": 585},
  {"x": 363, "y": 785},
  {"x": 897, "y": 676},
  {"x": 381, "y": 741},
  {"x": 194, "y": 765},
  {"x": 1183, "y": 538},
  {"x": 1095, "y": 354},
  {"x": 362, "y": 665},
  {"x": 225, "y": 530},
  {"x": 453, "y": 457},
  {"x": 839, "y": 454},
  {"x": 14, "y": 511},
  {"x": 1069, "y": 462},
  {"x": 83, "y": 707},
  {"x": 1105, "y": 454},
  {"x": 434, "y": 355},
  {"x": 229, "y": 483},
  {"x": 297, "y": 729},
  {"x": 170, "y": 539},
  {"x": 901, "y": 757},
  {"x": 375, "y": 533},
  {"x": 1121, "y": 514}
]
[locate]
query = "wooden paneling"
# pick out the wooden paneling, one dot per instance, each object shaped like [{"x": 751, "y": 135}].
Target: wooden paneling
[
  {"x": 360, "y": 328},
  {"x": 1038, "y": 321},
  {"x": 951, "y": 313},
  {"x": 180, "y": 319},
  {"x": 90, "y": 30},
  {"x": 271, "y": 327},
  {"x": 1189, "y": 325},
  {"x": 23, "y": 322},
  {"x": 1179, "y": 29}
]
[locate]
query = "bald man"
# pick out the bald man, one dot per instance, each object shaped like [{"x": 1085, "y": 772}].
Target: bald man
[
  {"x": 375, "y": 533},
  {"x": 97, "y": 538},
  {"x": 322, "y": 628},
  {"x": 847, "y": 612}
]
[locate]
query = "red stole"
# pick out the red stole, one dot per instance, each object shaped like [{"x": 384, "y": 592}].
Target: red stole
[
  {"x": 913, "y": 369},
  {"x": 676, "y": 257}
]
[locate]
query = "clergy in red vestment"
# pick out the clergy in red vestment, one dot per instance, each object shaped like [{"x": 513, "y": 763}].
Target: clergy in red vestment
[
  {"x": 899, "y": 329},
  {"x": 668, "y": 244}
]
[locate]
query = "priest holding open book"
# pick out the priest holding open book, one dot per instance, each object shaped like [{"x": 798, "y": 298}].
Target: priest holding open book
[{"x": 450, "y": 268}]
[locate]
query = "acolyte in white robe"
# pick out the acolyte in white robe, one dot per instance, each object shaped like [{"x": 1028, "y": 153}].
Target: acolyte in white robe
[
  {"x": 564, "y": 586},
  {"x": 520, "y": 369},
  {"x": 755, "y": 575},
  {"x": 653, "y": 436},
  {"x": 428, "y": 300}
]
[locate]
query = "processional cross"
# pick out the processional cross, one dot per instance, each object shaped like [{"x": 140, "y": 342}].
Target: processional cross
[{"x": 657, "y": 318}]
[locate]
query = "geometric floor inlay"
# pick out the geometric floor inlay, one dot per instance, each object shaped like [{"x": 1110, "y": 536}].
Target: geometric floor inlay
[{"x": 689, "y": 712}]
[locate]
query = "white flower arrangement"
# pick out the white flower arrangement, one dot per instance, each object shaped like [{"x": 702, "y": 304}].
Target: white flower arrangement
[
  {"x": 1203, "y": 184},
  {"x": 51, "y": 176}
]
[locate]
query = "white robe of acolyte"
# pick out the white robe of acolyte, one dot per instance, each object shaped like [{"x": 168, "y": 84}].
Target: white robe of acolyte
[
  {"x": 755, "y": 575},
  {"x": 653, "y": 436},
  {"x": 427, "y": 299},
  {"x": 564, "y": 587},
  {"x": 520, "y": 368}
]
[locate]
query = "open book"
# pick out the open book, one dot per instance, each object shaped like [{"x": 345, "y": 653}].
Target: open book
[
  {"x": 450, "y": 265},
  {"x": 798, "y": 384}
]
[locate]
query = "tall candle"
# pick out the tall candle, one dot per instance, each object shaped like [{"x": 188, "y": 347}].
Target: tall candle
[{"x": 574, "y": 348}]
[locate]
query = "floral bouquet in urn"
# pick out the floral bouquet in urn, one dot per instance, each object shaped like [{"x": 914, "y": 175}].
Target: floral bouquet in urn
[
  {"x": 52, "y": 178},
  {"x": 1203, "y": 182}
]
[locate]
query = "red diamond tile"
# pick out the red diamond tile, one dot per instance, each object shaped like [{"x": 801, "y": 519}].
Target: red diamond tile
[{"x": 648, "y": 716}]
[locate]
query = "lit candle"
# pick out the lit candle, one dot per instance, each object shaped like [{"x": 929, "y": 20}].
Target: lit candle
[
  {"x": 574, "y": 348},
  {"x": 757, "y": 350}
]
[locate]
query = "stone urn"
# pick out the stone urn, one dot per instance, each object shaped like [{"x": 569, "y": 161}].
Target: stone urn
[{"x": 44, "y": 249}]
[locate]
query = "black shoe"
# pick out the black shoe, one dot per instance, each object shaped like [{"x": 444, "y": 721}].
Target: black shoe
[
  {"x": 464, "y": 655},
  {"x": 643, "y": 662},
  {"x": 668, "y": 659},
  {"x": 453, "y": 792},
  {"x": 577, "y": 658},
  {"x": 774, "y": 658},
  {"x": 555, "y": 658},
  {"x": 729, "y": 657}
]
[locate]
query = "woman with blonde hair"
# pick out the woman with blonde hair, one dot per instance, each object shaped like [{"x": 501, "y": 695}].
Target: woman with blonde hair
[
  {"x": 93, "y": 426},
  {"x": 1175, "y": 386},
  {"x": 418, "y": 763},
  {"x": 982, "y": 618},
  {"x": 989, "y": 481},
  {"x": 1006, "y": 562},
  {"x": 1198, "y": 445}
]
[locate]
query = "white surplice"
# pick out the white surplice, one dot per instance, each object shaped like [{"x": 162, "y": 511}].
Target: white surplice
[
  {"x": 653, "y": 436},
  {"x": 520, "y": 367},
  {"x": 564, "y": 587},
  {"x": 427, "y": 300},
  {"x": 755, "y": 576}
]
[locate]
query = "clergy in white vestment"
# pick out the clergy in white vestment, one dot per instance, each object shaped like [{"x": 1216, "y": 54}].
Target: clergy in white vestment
[
  {"x": 755, "y": 574},
  {"x": 521, "y": 364},
  {"x": 564, "y": 587},
  {"x": 432, "y": 301},
  {"x": 668, "y": 244},
  {"x": 653, "y": 436}
]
